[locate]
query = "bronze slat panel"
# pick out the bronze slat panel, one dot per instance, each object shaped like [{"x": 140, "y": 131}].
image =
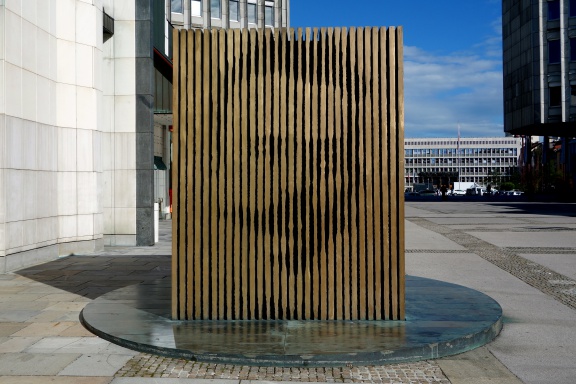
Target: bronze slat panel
[
  {"x": 354, "y": 185},
  {"x": 196, "y": 257},
  {"x": 183, "y": 135},
  {"x": 376, "y": 105},
  {"x": 176, "y": 284},
  {"x": 347, "y": 272},
  {"x": 188, "y": 160},
  {"x": 330, "y": 179},
  {"x": 362, "y": 257},
  {"x": 214, "y": 230},
  {"x": 259, "y": 186},
  {"x": 231, "y": 124},
  {"x": 338, "y": 268},
  {"x": 322, "y": 180},
  {"x": 267, "y": 209},
  {"x": 400, "y": 244},
  {"x": 384, "y": 137},
  {"x": 283, "y": 175},
  {"x": 392, "y": 168},
  {"x": 237, "y": 149},
  {"x": 244, "y": 169},
  {"x": 298, "y": 175},
  {"x": 314, "y": 248},
  {"x": 221, "y": 177},
  {"x": 252, "y": 254},
  {"x": 205, "y": 175},
  {"x": 307, "y": 254},
  {"x": 369, "y": 174},
  {"x": 290, "y": 170},
  {"x": 276, "y": 256}
]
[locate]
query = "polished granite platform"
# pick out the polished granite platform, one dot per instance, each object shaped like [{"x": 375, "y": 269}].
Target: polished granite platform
[{"x": 441, "y": 319}]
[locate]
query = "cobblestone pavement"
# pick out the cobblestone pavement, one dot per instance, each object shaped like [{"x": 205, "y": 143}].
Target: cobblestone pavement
[
  {"x": 145, "y": 365},
  {"x": 561, "y": 287}
]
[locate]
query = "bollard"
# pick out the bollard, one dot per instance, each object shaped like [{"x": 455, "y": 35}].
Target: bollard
[{"x": 156, "y": 218}]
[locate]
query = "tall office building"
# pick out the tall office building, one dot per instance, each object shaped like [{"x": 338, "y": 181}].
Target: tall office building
[{"x": 539, "y": 54}]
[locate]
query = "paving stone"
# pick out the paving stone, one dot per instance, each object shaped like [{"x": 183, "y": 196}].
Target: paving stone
[
  {"x": 95, "y": 365},
  {"x": 54, "y": 317},
  {"x": 77, "y": 330},
  {"x": 8, "y": 328},
  {"x": 70, "y": 306},
  {"x": 45, "y": 329},
  {"x": 53, "y": 345},
  {"x": 17, "y": 344},
  {"x": 18, "y": 316},
  {"x": 54, "y": 380},
  {"x": 20, "y": 364}
]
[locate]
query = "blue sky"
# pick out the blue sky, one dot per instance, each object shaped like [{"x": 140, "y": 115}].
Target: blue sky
[{"x": 452, "y": 58}]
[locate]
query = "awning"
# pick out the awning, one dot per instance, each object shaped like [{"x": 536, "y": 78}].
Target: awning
[{"x": 159, "y": 164}]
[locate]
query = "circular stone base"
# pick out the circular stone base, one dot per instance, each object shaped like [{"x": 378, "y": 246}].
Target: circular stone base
[{"x": 441, "y": 319}]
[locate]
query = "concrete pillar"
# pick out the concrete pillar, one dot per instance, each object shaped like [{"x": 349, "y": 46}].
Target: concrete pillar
[
  {"x": 260, "y": 13},
  {"x": 224, "y": 14},
  {"x": 243, "y": 14},
  {"x": 206, "y": 14},
  {"x": 187, "y": 13},
  {"x": 285, "y": 14}
]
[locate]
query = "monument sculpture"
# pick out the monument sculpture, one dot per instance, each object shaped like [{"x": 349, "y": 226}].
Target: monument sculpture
[{"x": 287, "y": 174}]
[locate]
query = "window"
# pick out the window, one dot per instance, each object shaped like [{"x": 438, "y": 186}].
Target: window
[
  {"x": 234, "y": 10},
  {"x": 269, "y": 15},
  {"x": 196, "y": 8},
  {"x": 555, "y": 96},
  {"x": 572, "y": 49},
  {"x": 572, "y": 8},
  {"x": 252, "y": 13},
  {"x": 573, "y": 95},
  {"x": 554, "y": 10},
  {"x": 553, "y": 51},
  {"x": 215, "y": 9},
  {"x": 176, "y": 6}
]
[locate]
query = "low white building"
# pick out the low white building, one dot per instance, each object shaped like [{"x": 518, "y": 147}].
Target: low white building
[{"x": 470, "y": 160}]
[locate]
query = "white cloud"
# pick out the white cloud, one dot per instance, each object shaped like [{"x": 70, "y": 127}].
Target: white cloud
[{"x": 442, "y": 91}]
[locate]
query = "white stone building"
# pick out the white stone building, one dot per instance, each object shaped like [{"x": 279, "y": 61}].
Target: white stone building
[
  {"x": 471, "y": 159},
  {"x": 85, "y": 110}
]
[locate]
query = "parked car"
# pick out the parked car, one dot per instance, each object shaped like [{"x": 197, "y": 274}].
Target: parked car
[{"x": 458, "y": 192}]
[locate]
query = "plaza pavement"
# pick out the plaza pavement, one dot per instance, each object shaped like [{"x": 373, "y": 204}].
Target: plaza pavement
[{"x": 520, "y": 253}]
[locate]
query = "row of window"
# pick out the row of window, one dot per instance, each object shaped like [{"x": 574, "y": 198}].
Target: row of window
[
  {"x": 554, "y": 9},
  {"x": 462, "y": 161},
  {"x": 463, "y": 171},
  {"x": 409, "y": 142},
  {"x": 233, "y": 10},
  {"x": 555, "y": 51},
  {"x": 462, "y": 151},
  {"x": 481, "y": 179},
  {"x": 555, "y": 94}
]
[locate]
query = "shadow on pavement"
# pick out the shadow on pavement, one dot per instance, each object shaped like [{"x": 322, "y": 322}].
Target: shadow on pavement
[{"x": 93, "y": 276}]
